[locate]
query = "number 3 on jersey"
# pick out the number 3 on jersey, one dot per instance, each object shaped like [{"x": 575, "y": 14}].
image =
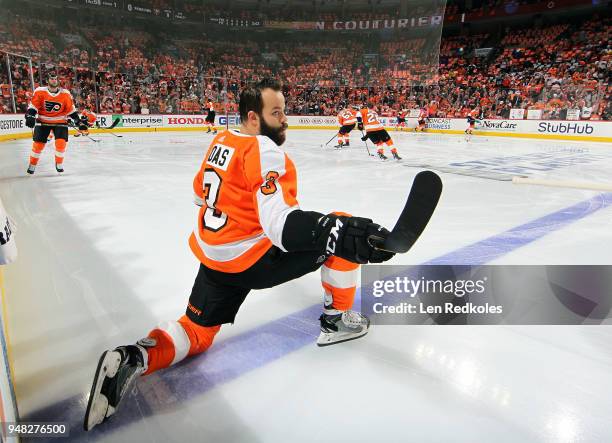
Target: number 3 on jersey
[{"x": 213, "y": 219}]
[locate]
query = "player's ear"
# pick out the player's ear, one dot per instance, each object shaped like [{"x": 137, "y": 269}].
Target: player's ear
[{"x": 253, "y": 117}]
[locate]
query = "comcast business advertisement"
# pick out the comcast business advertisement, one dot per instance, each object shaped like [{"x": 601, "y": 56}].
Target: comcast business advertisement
[{"x": 486, "y": 295}]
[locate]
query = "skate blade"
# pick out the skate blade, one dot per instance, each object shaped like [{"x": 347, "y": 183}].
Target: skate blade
[
  {"x": 98, "y": 403},
  {"x": 327, "y": 339}
]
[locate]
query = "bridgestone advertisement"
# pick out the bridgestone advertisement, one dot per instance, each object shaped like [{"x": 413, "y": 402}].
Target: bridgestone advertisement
[{"x": 12, "y": 124}]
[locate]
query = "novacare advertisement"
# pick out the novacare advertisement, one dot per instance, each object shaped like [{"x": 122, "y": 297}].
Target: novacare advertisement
[{"x": 499, "y": 125}]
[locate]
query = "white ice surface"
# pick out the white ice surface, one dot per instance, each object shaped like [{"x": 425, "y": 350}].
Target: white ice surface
[{"x": 104, "y": 257}]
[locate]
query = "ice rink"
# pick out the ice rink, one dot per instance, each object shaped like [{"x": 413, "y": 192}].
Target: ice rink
[{"x": 104, "y": 257}]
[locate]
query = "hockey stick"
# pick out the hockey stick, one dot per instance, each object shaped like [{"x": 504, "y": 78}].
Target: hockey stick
[
  {"x": 420, "y": 206},
  {"x": 76, "y": 127},
  {"x": 328, "y": 142},
  {"x": 115, "y": 123},
  {"x": 366, "y": 144}
]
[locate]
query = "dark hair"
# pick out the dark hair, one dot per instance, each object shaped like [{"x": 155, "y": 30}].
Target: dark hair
[{"x": 250, "y": 97}]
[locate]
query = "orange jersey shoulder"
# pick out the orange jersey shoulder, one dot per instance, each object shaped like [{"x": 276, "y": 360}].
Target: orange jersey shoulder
[
  {"x": 52, "y": 107},
  {"x": 246, "y": 187},
  {"x": 347, "y": 117},
  {"x": 91, "y": 117},
  {"x": 370, "y": 120}
]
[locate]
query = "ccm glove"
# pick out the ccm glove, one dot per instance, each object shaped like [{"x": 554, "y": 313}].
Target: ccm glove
[
  {"x": 360, "y": 126},
  {"x": 364, "y": 138},
  {"x": 347, "y": 237}
]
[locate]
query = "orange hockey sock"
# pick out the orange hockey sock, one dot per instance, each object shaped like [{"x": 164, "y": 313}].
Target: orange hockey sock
[
  {"x": 37, "y": 148},
  {"x": 176, "y": 340},
  {"x": 60, "y": 148}
]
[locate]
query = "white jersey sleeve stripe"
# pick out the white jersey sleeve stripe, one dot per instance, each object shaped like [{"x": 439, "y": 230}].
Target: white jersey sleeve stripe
[{"x": 273, "y": 210}]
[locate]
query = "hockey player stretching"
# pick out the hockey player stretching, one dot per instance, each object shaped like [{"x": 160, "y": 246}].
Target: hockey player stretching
[
  {"x": 250, "y": 234},
  {"x": 376, "y": 132}
]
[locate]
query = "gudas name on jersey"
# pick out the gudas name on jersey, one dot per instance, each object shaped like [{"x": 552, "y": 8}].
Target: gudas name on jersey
[{"x": 220, "y": 156}]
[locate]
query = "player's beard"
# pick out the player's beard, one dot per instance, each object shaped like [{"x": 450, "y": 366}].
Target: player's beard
[{"x": 277, "y": 135}]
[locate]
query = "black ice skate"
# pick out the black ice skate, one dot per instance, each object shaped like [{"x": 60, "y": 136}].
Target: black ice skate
[
  {"x": 59, "y": 168},
  {"x": 117, "y": 371},
  {"x": 31, "y": 169},
  {"x": 396, "y": 156},
  {"x": 341, "y": 327},
  {"x": 382, "y": 156},
  {"x": 208, "y": 132}
]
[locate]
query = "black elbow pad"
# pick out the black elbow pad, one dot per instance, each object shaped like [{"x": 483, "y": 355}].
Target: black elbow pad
[{"x": 299, "y": 232}]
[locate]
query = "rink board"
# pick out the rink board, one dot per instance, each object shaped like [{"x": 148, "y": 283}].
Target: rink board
[{"x": 13, "y": 127}]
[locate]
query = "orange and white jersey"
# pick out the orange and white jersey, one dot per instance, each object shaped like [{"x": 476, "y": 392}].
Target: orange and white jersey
[
  {"x": 423, "y": 114},
  {"x": 474, "y": 114},
  {"x": 347, "y": 117},
  {"x": 246, "y": 187},
  {"x": 91, "y": 117},
  {"x": 52, "y": 108},
  {"x": 370, "y": 120},
  {"x": 210, "y": 106}
]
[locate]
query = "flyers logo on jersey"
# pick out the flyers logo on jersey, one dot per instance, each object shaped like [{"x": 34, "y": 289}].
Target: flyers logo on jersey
[
  {"x": 220, "y": 156},
  {"x": 52, "y": 106}
]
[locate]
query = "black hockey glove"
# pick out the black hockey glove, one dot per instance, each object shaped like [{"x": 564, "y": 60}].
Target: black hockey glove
[
  {"x": 83, "y": 123},
  {"x": 74, "y": 119},
  {"x": 30, "y": 118},
  {"x": 364, "y": 138},
  {"x": 360, "y": 126},
  {"x": 347, "y": 237}
]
